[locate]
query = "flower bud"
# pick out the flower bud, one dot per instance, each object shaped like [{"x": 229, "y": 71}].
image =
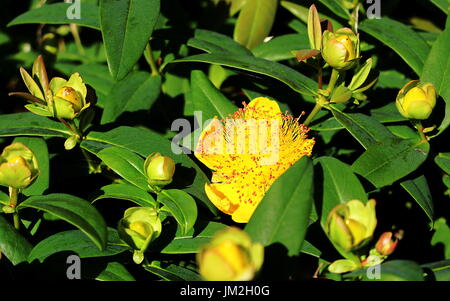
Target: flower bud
[
  {"x": 139, "y": 227},
  {"x": 385, "y": 244},
  {"x": 159, "y": 169},
  {"x": 341, "y": 48},
  {"x": 416, "y": 100},
  {"x": 230, "y": 256},
  {"x": 18, "y": 166},
  {"x": 350, "y": 225}
]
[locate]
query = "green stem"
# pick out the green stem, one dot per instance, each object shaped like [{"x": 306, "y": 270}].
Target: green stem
[
  {"x": 76, "y": 37},
  {"x": 13, "y": 199},
  {"x": 418, "y": 125},
  {"x": 313, "y": 113},
  {"x": 333, "y": 80},
  {"x": 150, "y": 60},
  {"x": 92, "y": 168}
]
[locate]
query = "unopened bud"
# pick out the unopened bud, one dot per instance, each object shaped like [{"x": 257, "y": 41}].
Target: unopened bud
[
  {"x": 416, "y": 100},
  {"x": 385, "y": 244},
  {"x": 159, "y": 169}
]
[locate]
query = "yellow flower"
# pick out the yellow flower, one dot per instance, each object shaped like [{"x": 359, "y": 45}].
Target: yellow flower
[{"x": 248, "y": 151}]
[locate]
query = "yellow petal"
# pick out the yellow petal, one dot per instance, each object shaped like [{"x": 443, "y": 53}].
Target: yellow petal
[{"x": 262, "y": 108}]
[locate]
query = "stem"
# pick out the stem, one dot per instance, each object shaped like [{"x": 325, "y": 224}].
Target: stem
[
  {"x": 319, "y": 78},
  {"x": 418, "y": 125},
  {"x": 150, "y": 60},
  {"x": 13, "y": 198},
  {"x": 92, "y": 167},
  {"x": 333, "y": 79},
  {"x": 76, "y": 37},
  {"x": 313, "y": 113}
]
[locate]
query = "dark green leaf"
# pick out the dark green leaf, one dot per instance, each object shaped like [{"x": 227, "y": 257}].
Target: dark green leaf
[
  {"x": 39, "y": 147},
  {"x": 443, "y": 161},
  {"x": 419, "y": 190},
  {"x": 127, "y": 26},
  {"x": 59, "y": 13},
  {"x": 73, "y": 210},
  {"x": 15, "y": 247},
  {"x": 395, "y": 270},
  {"x": 390, "y": 160},
  {"x": 255, "y": 22},
  {"x": 181, "y": 205},
  {"x": 335, "y": 184},
  {"x": 402, "y": 39},
  {"x": 172, "y": 272},
  {"x": 137, "y": 91},
  {"x": 442, "y": 4},
  {"x": 283, "y": 214},
  {"x": 208, "y": 99},
  {"x": 439, "y": 271},
  {"x": 211, "y": 41},
  {"x": 127, "y": 192},
  {"x": 77, "y": 242},
  {"x": 280, "y": 48},
  {"x": 30, "y": 124},
  {"x": 337, "y": 8},
  {"x": 115, "y": 271},
  {"x": 126, "y": 164}
]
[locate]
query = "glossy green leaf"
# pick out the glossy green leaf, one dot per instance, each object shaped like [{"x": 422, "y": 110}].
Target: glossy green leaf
[
  {"x": 172, "y": 271},
  {"x": 337, "y": 8},
  {"x": 182, "y": 207},
  {"x": 360, "y": 77},
  {"x": 255, "y": 22},
  {"x": 442, "y": 4},
  {"x": 213, "y": 42},
  {"x": 439, "y": 271},
  {"x": 137, "y": 91},
  {"x": 362, "y": 127},
  {"x": 443, "y": 161},
  {"x": 144, "y": 142},
  {"x": 115, "y": 271},
  {"x": 394, "y": 270},
  {"x": 335, "y": 184},
  {"x": 390, "y": 160},
  {"x": 418, "y": 188},
  {"x": 73, "y": 210},
  {"x": 442, "y": 236},
  {"x": 281, "y": 47},
  {"x": 76, "y": 241},
  {"x": 295, "y": 80},
  {"x": 19, "y": 124},
  {"x": 437, "y": 71},
  {"x": 59, "y": 13},
  {"x": 127, "y": 26},
  {"x": 39, "y": 147},
  {"x": 402, "y": 39},
  {"x": 283, "y": 214},
  {"x": 126, "y": 192},
  {"x": 12, "y": 245},
  {"x": 126, "y": 164},
  {"x": 207, "y": 99}
]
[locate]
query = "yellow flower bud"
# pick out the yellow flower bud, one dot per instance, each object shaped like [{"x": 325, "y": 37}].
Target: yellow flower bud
[
  {"x": 159, "y": 169},
  {"x": 340, "y": 49},
  {"x": 72, "y": 96},
  {"x": 350, "y": 225},
  {"x": 230, "y": 256},
  {"x": 18, "y": 166},
  {"x": 416, "y": 100}
]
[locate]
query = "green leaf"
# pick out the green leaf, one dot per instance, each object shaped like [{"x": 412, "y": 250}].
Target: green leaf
[
  {"x": 442, "y": 4},
  {"x": 443, "y": 161},
  {"x": 76, "y": 241},
  {"x": 127, "y": 26},
  {"x": 280, "y": 48},
  {"x": 213, "y": 42},
  {"x": 295, "y": 80},
  {"x": 73, "y": 210},
  {"x": 137, "y": 91},
  {"x": 419, "y": 190},
  {"x": 126, "y": 192},
  {"x": 19, "y": 124},
  {"x": 395, "y": 270},
  {"x": 144, "y": 142},
  {"x": 126, "y": 164},
  {"x": 390, "y": 160},
  {"x": 15, "y": 247},
  {"x": 360, "y": 77},
  {"x": 363, "y": 128},
  {"x": 442, "y": 236},
  {"x": 255, "y": 22},
  {"x": 182, "y": 207},
  {"x": 191, "y": 242},
  {"x": 39, "y": 147},
  {"x": 115, "y": 271},
  {"x": 58, "y": 14},
  {"x": 283, "y": 214},
  {"x": 437, "y": 71},
  {"x": 335, "y": 184},
  {"x": 403, "y": 40},
  {"x": 438, "y": 271},
  {"x": 208, "y": 99},
  {"x": 172, "y": 272},
  {"x": 337, "y": 8}
]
